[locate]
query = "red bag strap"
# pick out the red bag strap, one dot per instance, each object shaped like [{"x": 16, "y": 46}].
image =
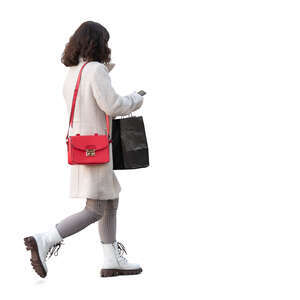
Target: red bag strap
[{"x": 74, "y": 103}]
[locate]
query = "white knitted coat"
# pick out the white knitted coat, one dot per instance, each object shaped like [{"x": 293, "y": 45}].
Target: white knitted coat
[{"x": 96, "y": 97}]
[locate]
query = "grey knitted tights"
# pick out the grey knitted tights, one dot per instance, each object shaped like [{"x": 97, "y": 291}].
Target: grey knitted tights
[{"x": 103, "y": 211}]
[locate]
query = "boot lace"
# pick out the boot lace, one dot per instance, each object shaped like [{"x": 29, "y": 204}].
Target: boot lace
[
  {"x": 121, "y": 250},
  {"x": 54, "y": 250}
]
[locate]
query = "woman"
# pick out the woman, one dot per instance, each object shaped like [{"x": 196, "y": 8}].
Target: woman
[{"x": 97, "y": 183}]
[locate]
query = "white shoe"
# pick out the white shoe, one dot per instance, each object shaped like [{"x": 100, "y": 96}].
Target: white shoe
[
  {"x": 115, "y": 263},
  {"x": 43, "y": 245}
]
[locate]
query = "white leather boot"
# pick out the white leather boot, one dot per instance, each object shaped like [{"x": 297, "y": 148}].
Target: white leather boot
[
  {"x": 115, "y": 263},
  {"x": 42, "y": 245}
]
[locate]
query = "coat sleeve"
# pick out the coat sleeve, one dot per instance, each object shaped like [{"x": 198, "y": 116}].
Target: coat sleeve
[{"x": 106, "y": 97}]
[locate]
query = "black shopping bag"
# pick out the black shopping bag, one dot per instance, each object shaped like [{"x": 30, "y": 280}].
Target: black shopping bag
[{"x": 129, "y": 144}]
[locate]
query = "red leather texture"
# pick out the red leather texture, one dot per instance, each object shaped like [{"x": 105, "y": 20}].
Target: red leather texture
[
  {"x": 86, "y": 149},
  {"x": 79, "y": 144}
]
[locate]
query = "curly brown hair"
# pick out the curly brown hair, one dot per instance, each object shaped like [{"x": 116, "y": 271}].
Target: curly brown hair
[{"x": 89, "y": 41}]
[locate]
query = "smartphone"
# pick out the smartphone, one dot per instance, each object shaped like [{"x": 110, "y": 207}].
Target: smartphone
[{"x": 142, "y": 93}]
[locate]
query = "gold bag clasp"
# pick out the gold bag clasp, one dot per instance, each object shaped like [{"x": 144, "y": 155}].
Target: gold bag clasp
[{"x": 90, "y": 152}]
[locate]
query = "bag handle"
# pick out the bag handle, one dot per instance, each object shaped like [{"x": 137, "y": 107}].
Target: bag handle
[{"x": 74, "y": 103}]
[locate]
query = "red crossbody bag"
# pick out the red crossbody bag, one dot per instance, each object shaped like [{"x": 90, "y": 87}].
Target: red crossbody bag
[{"x": 86, "y": 149}]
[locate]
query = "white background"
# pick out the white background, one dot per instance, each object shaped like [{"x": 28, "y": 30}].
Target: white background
[{"x": 216, "y": 216}]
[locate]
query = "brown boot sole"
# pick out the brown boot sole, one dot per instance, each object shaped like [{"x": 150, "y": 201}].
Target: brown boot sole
[
  {"x": 35, "y": 260},
  {"x": 117, "y": 272}
]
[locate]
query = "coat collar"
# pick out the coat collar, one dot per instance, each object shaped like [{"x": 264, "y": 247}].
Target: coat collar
[{"x": 108, "y": 66}]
